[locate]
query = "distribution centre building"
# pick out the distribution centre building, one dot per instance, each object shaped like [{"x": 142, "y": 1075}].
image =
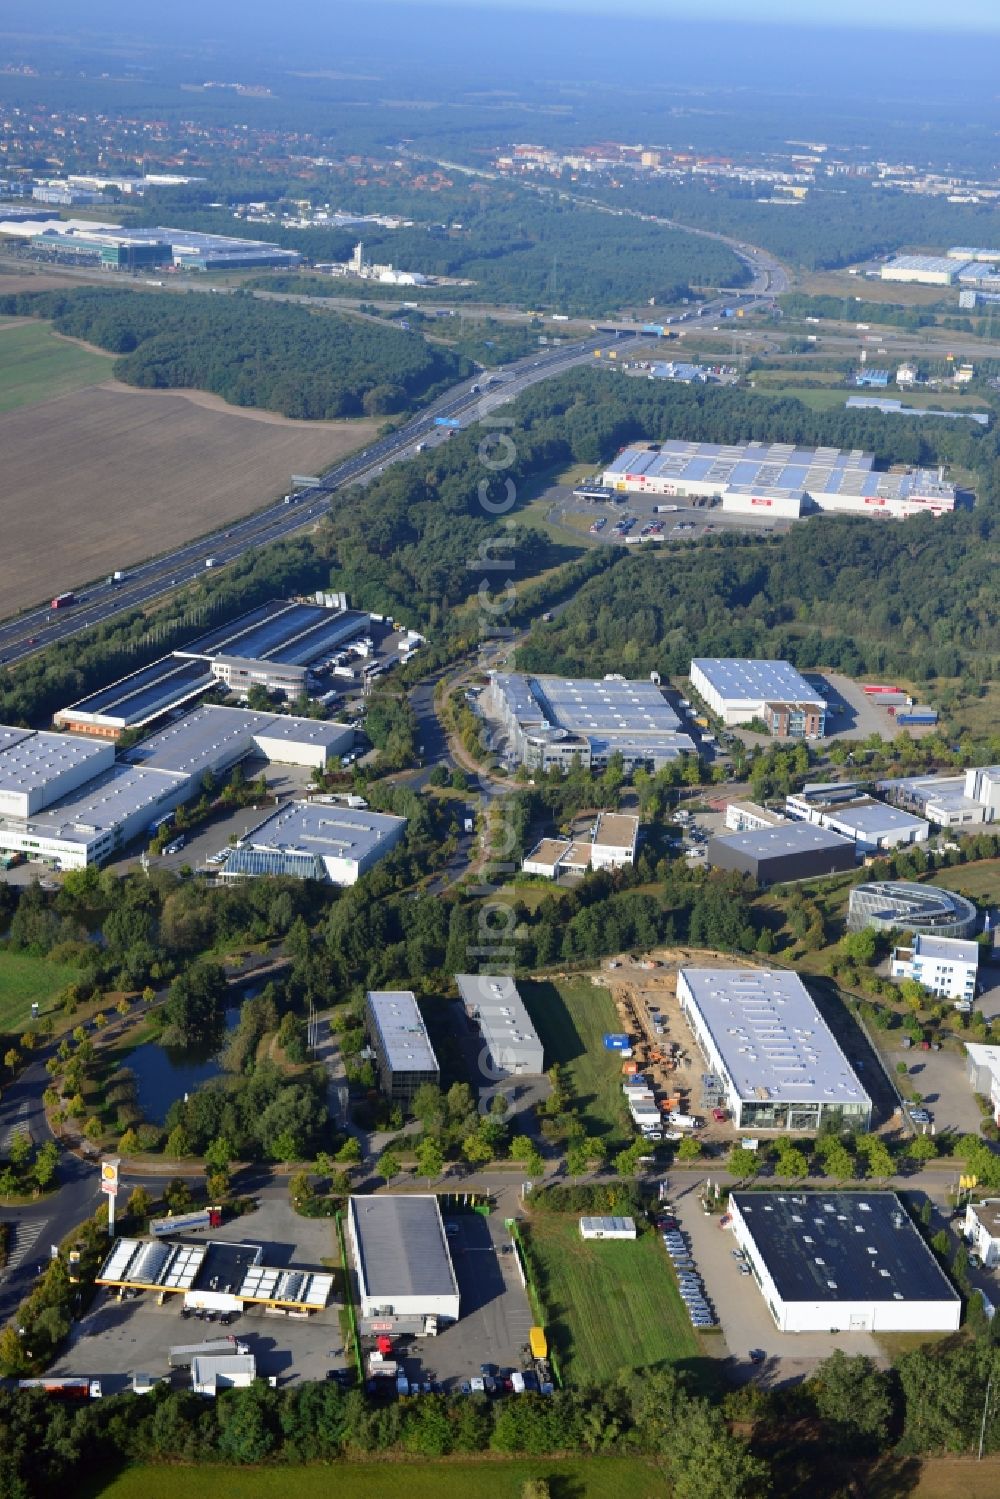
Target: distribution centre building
[
  {"x": 780, "y": 1065},
  {"x": 512, "y": 1044},
  {"x": 777, "y": 480},
  {"x": 842, "y": 1262},
  {"x": 737, "y": 691},
  {"x": 786, "y": 851},
  {"x": 551, "y": 721},
  {"x": 871, "y": 824},
  {"x": 404, "y": 1056},
  {"x": 905, "y": 906},
  {"x": 406, "y": 1279}
]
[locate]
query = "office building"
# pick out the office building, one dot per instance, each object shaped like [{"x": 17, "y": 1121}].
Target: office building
[
  {"x": 946, "y": 966},
  {"x": 777, "y": 481},
  {"x": 777, "y": 1060},
  {"x": 611, "y": 845},
  {"x": 956, "y": 801},
  {"x": 406, "y": 1280},
  {"x": 904, "y": 906},
  {"x": 404, "y": 1056},
  {"x": 786, "y": 851},
  {"x": 773, "y": 691},
  {"x": 549, "y": 721},
  {"x": 870, "y": 824},
  {"x": 750, "y": 817},
  {"x": 315, "y": 840},
  {"x": 494, "y": 1005},
  {"x": 981, "y": 1231},
  {"x": 842, "y": 1262}
]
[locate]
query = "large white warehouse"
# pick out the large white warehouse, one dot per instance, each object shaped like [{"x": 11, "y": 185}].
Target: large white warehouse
[
  {"x": 842, "y": 1262},
  {"x": 776, "y": 480},
  {"x": 780, "y": 1065},
  {"x": 737, "y": 691}
]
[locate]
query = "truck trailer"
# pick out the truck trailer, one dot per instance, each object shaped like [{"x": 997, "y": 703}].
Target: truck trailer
[
  {"x": 182, "y": 1355},
  {"x": 186, "y": 1223}
]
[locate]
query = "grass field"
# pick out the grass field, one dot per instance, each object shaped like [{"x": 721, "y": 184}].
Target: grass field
[
  {"x": 119, "y": 475},
  {"x": 592, "y": 1478},
  {"x": 571, "y": 1016},
  {"x": 980, "y": 881},
  {"x": 35, "y": 365},
  {"x": 25, "y": 981},
  {"x": 609, "y": 1306}
]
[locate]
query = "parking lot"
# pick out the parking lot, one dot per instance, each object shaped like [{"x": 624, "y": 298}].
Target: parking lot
[
  {"x": 745, "y": 1320},
  {"x": 623, "y": 521},
  {"x": 117, "y": 1339}
]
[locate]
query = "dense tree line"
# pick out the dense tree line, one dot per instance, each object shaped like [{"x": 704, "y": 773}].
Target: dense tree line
[
  {"x": 834, "y": 226},
  {"x": 251, "y": 353}
]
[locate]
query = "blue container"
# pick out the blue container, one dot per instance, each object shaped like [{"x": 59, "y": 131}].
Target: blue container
[{"x": 616, "y": 1042}]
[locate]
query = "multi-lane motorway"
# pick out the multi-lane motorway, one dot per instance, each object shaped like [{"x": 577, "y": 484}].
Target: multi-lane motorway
[{"x": 38, "y": 628}]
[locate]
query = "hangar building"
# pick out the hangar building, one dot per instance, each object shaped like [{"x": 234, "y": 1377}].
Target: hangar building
[{"x": 842, "y": 1262}]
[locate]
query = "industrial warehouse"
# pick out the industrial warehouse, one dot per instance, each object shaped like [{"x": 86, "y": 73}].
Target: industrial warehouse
[
  {"x": 69, "y": 800},
  {"x": 842, "y": 808},
  {"x": 777, "y": 480},
  {"x": 279, "y": 646},
  {"x": 784, "y": 851},
  {"x": 495, "y": 1006},
  {"x": 406, "y": 1280},
  {"x": 972, "y": 796},
  {"x": 773, "y": 691},
  {"x": 315, "y": 840},
  {"x": 404, "y": 1056},
  {"x": 550, "y": 721},
  {"x": 780, "y": 1066},
  {"x": 842, "y": 1262},
  {"x": 114, "y": 248}
]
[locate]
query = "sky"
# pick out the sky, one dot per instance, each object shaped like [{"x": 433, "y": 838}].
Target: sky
[{"x": 970, "y": 15}]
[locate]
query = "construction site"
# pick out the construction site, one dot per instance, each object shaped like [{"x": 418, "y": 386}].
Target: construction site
[{"x": 669, "y": 1093}]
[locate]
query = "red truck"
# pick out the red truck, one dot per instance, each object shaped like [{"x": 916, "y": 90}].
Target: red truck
[{"x": 63, "y": 600}]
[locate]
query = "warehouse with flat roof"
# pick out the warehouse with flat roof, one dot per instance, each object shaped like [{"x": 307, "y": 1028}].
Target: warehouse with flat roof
[
  {"x": 780, "y": 1065},
  {"x": 924, "y": 270},
  {"x": 315, "y": 840},
  {"x": 493, "y": 1004},
  {"x": 776, "y": 481},
  {"x": 842, "y": 1262},
  {"x": 404, "y": 1056},
  {"x": 406, "y": 1280},
  {"x": 555, "y": 721},
  {"x": 787, "y": 851},
  {"x": 738, "y": 691},
  {"x": 870, "y": 824}
]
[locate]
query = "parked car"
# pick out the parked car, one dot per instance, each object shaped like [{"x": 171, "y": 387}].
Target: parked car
[{"x": 757, "y": 1355}]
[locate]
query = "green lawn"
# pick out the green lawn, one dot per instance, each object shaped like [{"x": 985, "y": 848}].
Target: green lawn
[
  {"x": 25, "y": 981},
  {"x": 979, "y": 881},
  {"x": 589, "y": 1478},
  {"x": 571, "y": 1017},
  {"x": 35, "y": 365},
  {"x": 609, "y": 1306}
]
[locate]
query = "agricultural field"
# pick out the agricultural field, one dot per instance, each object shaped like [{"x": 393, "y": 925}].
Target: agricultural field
[
  {"x": 584, "y": 1478},
  {"x": 571, "y": 1017},
  {"x": 609, "y": 1306},
  {"x": 110, "y": 476},
  {"x": 25, "y": 981},
  {"x": 37, "y": 365}
]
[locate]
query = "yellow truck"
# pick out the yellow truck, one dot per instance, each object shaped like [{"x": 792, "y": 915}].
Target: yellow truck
[{"x": 536, "y": 1341}]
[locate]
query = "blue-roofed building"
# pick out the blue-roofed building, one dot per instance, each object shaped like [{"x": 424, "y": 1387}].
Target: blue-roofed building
[{"x": 874, "y": 379}]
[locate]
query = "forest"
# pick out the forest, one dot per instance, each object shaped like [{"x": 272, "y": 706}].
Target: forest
[
  {"x": 522, "y": 250},
  {"x": 831, "y": 227},
  {"x": 269, "y": 354}
]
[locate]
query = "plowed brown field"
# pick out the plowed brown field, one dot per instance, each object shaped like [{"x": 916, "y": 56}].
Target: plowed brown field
[{"x": 105, "y": 477}]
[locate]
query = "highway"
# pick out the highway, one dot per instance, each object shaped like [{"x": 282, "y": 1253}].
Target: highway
[{"x": 38, "y": 628}]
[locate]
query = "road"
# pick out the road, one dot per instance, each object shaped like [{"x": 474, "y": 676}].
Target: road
[{"x": 41, "y": 627}]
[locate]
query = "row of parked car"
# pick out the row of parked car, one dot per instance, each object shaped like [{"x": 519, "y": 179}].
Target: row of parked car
[{"x": 689, "y": 1282}]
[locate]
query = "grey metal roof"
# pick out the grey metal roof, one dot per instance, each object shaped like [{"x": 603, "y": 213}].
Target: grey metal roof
[
  {"x": 910, "y": 906},
  {"x": 101, "y": 804},
  {"x": 784, "y": 838},
  {"x": 742, "y": 681},
  {"x": 842, "y": 1246},
  {"x": 396, "y": 1016},
  {"x": 945, "y": 949},
  {"x": 324, "y": 830},
  {"x": 773, "y": 1041},
  {"x": 874, "y": 818},
  {"x": 30, "y": 760},
  {"x": 503, "y": 1018},
  {"x": 402, "y": 1245},
  {"x": 200, "y": 739}
]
